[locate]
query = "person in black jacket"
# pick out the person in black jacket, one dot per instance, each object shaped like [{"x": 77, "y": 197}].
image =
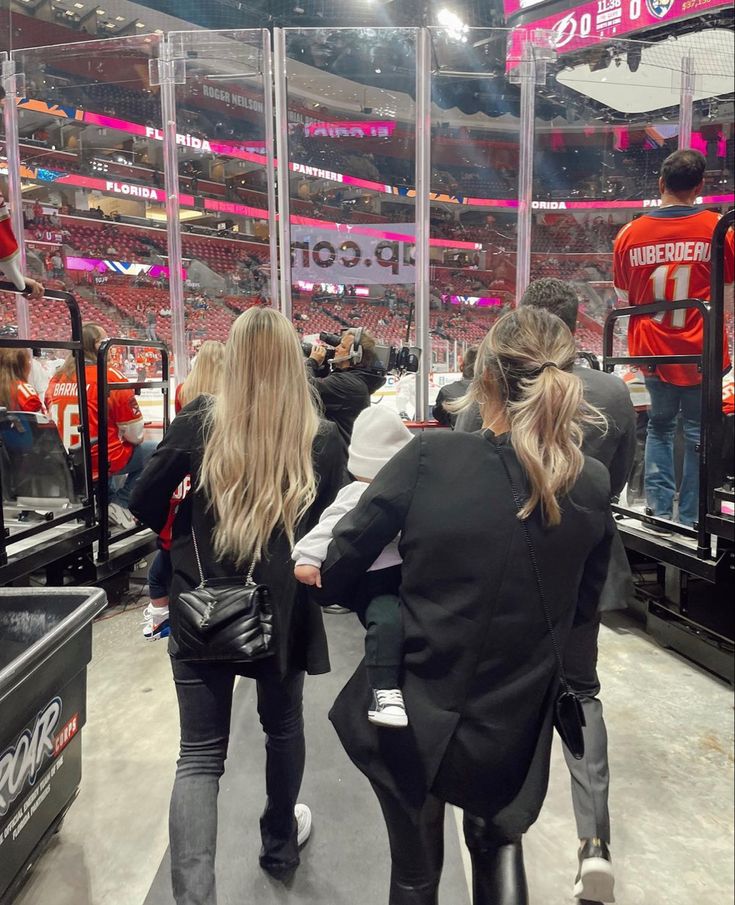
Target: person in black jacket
[
  {"x": 456, "y": 390},
  {"x": 263, "y": 467},
  {"x": 347, "y": 390},
  {"x": 480, "y": 674},
  {"x": 613, "y": 444}
]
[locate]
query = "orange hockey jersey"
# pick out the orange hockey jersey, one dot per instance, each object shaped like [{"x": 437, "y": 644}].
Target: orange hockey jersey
[
  {"x": 665, "y": 255},
  {"x": 62, "y": 401}
]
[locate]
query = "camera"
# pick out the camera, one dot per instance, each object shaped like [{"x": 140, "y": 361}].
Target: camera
[
  {"x": 388, "y": 359},
  {"x": 391, "y": 359},
  {"x": 331, "y": 340}
]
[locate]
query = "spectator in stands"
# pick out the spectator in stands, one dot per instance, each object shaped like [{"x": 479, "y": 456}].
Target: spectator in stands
[
  {"x": 262, "y": 470},
  {"x": 665, "y": 256},
  {"x": 483, "y": 745},
  {"x": 150, "y": 327},
  {"x": 127, "y": 451},
  {"x": 455, "y": 390},
  {"x": 347, "y": 390},
  {"x": 17, "y": 394},
  {"x": 614, "y": 446}
]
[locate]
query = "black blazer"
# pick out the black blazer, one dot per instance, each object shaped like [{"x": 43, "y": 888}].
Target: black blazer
[
  {"x": 480, "y": 673},
  {"x": 299, "y": 631}
]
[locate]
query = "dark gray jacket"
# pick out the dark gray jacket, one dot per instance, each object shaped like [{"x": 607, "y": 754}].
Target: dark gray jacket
[
  {"x": 615, "y": 448},
  {"x": 449, "y": 393}
]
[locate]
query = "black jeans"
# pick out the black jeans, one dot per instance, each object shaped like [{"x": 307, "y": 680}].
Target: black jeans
[
  {"x": 205, "y": 704},
  {"x": 378, "y": 608},
  {"x": 416, "y": 838}
]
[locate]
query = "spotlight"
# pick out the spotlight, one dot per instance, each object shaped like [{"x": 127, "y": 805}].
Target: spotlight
[{"x": 634, "y": 59}]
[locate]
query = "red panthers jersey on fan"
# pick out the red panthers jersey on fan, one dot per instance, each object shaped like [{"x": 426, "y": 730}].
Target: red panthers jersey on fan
[
  {"x": 25, "y": 397},
  {"x": 62, "y": 401},
  {"x": 665, "y": 255}
]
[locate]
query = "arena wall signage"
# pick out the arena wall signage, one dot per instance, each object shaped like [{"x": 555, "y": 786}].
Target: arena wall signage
[
  {"x": 122, "y": 268},
  {"x": 321, "y": 254},
  {"x": 373, "y": 129}
]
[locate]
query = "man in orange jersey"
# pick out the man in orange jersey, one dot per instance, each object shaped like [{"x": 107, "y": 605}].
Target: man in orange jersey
[{"x": 665, "y": 255}]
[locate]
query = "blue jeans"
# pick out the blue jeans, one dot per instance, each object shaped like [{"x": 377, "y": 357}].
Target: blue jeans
[
  {"x": 205, "y": 691},
  {"x": 133, "y": 469},
  {"x": 667, "y": 401},
  {"x": 160, "y": 573}
]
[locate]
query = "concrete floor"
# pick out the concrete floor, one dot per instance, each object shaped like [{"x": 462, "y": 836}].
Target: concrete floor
[{"x": 671, "y": 752}]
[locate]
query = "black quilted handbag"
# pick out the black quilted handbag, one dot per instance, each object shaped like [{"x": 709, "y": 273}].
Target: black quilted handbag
[{"x": 225, "y": 619}]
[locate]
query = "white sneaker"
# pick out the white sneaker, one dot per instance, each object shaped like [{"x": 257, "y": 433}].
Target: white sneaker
[
  {"x": 388, "y": 708},
  {"x": 595, "y": 881},
  {"x": 302, "y": 813},
  {"x": 155, "y": 623},
  {"x": 121, "y": 517}
]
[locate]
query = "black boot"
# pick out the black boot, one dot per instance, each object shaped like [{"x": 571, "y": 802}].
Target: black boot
[
  {"x": 428, "y": 894},
  {"x": 498, "y": 875}
]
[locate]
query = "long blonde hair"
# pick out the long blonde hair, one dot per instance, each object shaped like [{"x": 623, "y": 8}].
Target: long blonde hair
[
  {"x": 206, "y": 372},
  {"x": 257, "y": 469},
  {"x": 524, "y": 370}
]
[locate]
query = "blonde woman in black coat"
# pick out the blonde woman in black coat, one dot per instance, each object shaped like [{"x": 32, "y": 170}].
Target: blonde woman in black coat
[
  {"x": 481, "y": 677},
  {"x": 262, "y": 469}
]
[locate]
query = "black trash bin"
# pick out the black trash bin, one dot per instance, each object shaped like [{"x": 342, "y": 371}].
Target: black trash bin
[{"x": 45, "y": 646}]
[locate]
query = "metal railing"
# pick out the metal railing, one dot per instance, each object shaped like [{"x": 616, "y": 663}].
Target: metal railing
[
  {"x": 710, "y": 364},
  {"x": 104, "y": 387},
  {"x": 85, "y": 509}
]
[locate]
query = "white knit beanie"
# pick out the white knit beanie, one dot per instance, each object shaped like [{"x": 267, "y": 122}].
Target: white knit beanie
[{"x": 377, "y": 436}]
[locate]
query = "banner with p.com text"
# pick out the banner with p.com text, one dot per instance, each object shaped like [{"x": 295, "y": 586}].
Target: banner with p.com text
[{"x": 383, "y": 253}]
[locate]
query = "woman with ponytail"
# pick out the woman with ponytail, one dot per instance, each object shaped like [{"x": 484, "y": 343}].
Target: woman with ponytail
[{"x": 480, "y": 516}]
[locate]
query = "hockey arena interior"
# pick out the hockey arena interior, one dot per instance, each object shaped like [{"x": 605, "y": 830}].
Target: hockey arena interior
[{"x": 275, "y": 623}]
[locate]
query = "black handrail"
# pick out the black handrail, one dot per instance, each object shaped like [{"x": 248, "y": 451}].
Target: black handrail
[
  {"x": 714, "y": 364},
  {"x": 103, "y": 390},
  {"x": 75, "y": 346}
]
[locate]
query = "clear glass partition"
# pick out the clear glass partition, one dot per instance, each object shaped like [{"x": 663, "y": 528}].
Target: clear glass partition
[
  {"x": 474, "y": 192},
  {"x": 226, "y": 194},
  {"x": 92, "y": 190},
  {"x": 607, "y": 117},
  {"x": 351, "y": 148}
]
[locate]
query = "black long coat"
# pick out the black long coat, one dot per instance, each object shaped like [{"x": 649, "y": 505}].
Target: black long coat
[
  {"x": 480, "y": 673},
  {"x": 298, "y": 628}
]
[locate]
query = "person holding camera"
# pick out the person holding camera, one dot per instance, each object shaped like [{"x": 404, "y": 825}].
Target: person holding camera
[{"x": 346, "y": 391}]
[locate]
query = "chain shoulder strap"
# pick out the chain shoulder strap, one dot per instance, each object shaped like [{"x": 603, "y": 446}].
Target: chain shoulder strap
[
  {"x": 248, "y": 579},
  {"x": 537, "y": 575}
]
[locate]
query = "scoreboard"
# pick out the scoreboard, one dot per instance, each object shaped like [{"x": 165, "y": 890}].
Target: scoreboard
[{"x": 575, "y": 26}]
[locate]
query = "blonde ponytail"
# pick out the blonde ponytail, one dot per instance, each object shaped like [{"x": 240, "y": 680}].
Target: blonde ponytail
[
  {"x": 525, "y": 368},
  {"x": 547, "y": 436}
]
